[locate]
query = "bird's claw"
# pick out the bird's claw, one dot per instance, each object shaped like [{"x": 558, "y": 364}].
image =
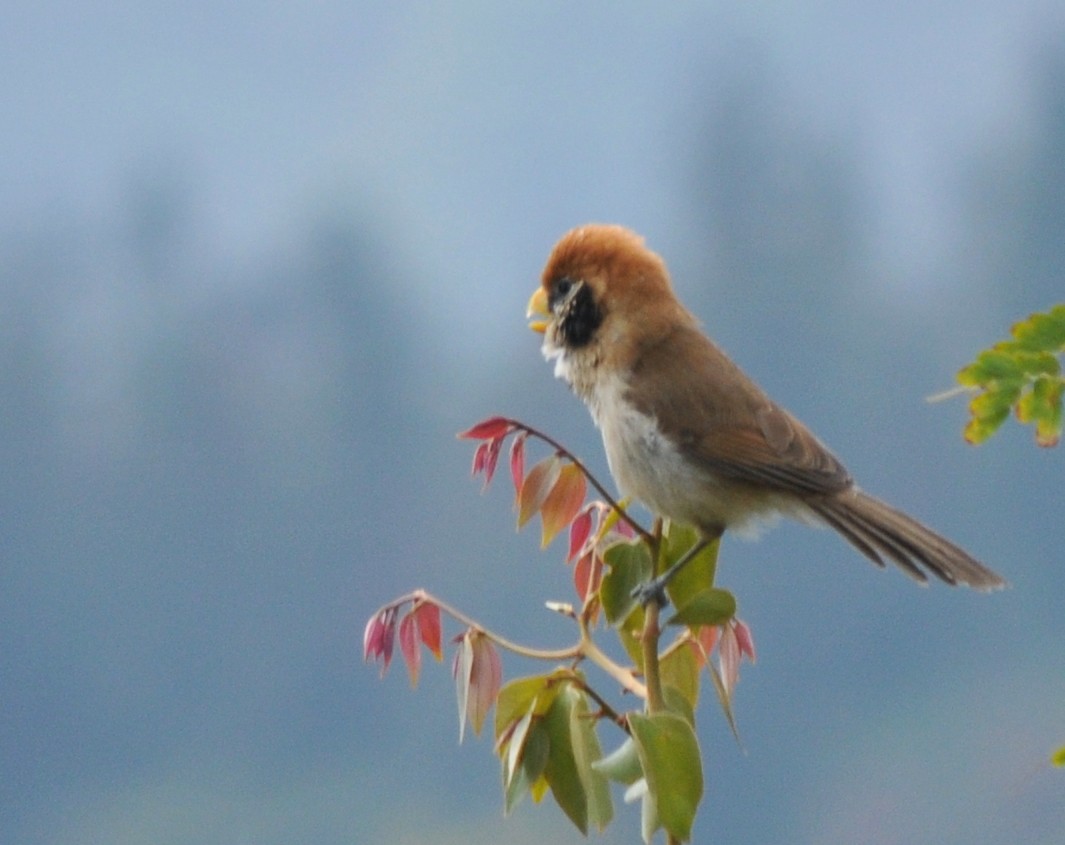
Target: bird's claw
[{"x": 653, "y": 590}]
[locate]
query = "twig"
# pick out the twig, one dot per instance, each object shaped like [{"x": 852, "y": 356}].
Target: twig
[{"x": 562, "y": 450}]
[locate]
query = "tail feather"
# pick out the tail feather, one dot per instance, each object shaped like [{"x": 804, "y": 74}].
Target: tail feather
[{"x": 877, "y": 530}]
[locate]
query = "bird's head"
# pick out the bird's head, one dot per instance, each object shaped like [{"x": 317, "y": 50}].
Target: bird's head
[{"x": 602, "y": 290}]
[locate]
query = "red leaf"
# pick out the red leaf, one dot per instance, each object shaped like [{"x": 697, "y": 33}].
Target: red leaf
[
  {"x": 705, "y": 640},
  {"x": 480, "y": 455},
  {"x": 409, "y": 646},
  {"x": 428, "y": 615},
  {"x": 579, "y": 530},
  {"x": 625, "y": 529},
  {"x": 491, "y": 458},
  {"x": 485, "y": 680},
  {"x": 488, "y": 429},
  {"x": 517, "y": 461},
  {"x": 377, "y": 639},
  {"x": 744, "y": 640},
  {"x": 536, "y": 487},
  {"x": 372, "y": 637},
  {"x": 587, "y": 574},
  {"x": 563, "y": 502}
]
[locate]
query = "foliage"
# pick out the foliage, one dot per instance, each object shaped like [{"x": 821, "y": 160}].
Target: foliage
[
  {"x": 546, "y": 726},
  {"x": 1022, "y": 374}
]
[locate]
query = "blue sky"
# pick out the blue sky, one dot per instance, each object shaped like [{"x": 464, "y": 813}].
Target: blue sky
[{"x": 262, "y": 261}]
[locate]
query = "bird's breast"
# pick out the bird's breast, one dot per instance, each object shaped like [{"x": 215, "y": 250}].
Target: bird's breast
[{"x": 649, "y": 466}]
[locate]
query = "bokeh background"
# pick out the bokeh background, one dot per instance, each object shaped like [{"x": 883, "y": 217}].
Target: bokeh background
[{"x": 259, "y": 262}]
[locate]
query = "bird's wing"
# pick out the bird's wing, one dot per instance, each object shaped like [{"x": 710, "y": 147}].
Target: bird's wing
[{"x": 721, "y": 420}]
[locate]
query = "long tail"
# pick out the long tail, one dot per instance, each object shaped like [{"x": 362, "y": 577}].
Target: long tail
[{"x": 877, "y": 530}]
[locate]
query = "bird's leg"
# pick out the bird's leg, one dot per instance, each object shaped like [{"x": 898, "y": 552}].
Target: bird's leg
[{"x": 655, "y": 589}]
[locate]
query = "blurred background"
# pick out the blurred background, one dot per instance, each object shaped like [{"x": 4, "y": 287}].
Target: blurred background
[{"x": 259, "y": 262}]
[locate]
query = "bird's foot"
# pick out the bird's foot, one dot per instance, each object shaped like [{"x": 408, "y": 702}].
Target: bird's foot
[{"x": 653, "y": 590}]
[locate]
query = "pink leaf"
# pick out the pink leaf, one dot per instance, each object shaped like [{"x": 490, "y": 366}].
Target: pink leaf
[
  {"x": 428, "y": 615},
  {"x": 485, "y": 680},
  {"x": 480, "y": 455},
  {"x": 377, "y": 639},
  {"x": 488, "y": 429},
  {"x": 409, "y": 646},
  {"x": 705, "y": 640},
  {"x": 624, "y": 529},
  {"x": 587, "y": 574},
  {"x": 744, "y": 640},
  {"x": 491, "y": 458},
  {"x": 517, "y": 461},
  {"x": 579, "y": 531}
]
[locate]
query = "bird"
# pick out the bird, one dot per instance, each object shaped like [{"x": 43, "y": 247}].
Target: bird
[{"x": 687, "y": 432}]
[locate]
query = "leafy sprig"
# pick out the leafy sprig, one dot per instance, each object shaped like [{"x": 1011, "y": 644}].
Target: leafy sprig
[
  {"x": 1022, "y": 374},
  {"x": 546, "y": 725}
]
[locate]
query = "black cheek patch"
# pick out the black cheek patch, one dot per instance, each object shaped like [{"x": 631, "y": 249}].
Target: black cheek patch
[{"x": 581, "y": 319}]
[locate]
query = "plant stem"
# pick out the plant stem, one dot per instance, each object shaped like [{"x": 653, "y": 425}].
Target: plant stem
[
  {"x": 584, "y": 649},
  {"x": 623, "y": 676},
  {"x": 652, "y": 631},
  {"x": 649, "y": 641}
]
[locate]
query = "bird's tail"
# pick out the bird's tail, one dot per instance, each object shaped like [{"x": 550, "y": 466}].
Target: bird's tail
[{"x": 879, "y": 531}]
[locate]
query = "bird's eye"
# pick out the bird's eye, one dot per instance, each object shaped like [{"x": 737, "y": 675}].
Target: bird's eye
[{"x": 563, "y": 286}]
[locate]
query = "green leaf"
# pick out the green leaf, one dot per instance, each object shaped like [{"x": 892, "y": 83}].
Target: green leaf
[
  {"x": 561, "y": 770},
  {"x": 679, "y": 671},
  {"x": 523, "y": 765},
  {"x": 524, "y": 695},
  {"x": 586, "y": 752},
  {"x": 991, "y": 365},
  {"x": 1058, "y": 757},
  {"x": 678, "y": 702},
  {"x": 989, "y": 410},
  {"x": 1034, "y": 363},
  {"x": 510, "y": 755},
  {"x": 698, "y": 573},
  {"x": 630, "y": 635},
  {"x": 1042, "y": 406},
  {"x": 669, "y": 754},
  {"x": 995, "y": 401},
  {"x": 629, "y": 565},
  {"x": 1042, "y": 331},
  {"x": 622, "y": 764},
  {"x": 711, "y": 606}
]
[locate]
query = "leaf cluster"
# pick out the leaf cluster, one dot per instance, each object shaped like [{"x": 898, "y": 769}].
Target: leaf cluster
[
  {"x": 547, "y": 725},
  {"x": 1022, "y": 374}
]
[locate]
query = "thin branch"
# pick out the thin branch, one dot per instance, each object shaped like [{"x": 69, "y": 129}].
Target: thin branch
[
  {"x": 584, "y": 649},
  {"x": 619, "y": 673},
  {"x": 562, "y": 450}
]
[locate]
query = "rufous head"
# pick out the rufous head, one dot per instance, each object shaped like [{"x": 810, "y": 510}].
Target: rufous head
[{"x": 599, "y": 279}]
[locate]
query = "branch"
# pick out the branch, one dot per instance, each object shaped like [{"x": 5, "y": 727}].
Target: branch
[
  {"x": 566, "y": 453},
  {"x": 584, "y": 649}
]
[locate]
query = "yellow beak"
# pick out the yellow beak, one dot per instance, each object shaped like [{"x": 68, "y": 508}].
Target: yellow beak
[{"x": 537, "y": 308}]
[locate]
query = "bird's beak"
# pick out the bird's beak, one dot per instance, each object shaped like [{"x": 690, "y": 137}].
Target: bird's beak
[{"x": 537, "y": 312}]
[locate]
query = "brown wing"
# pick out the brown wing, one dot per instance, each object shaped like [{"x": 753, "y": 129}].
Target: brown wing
[{"x": 722, "y": 420}]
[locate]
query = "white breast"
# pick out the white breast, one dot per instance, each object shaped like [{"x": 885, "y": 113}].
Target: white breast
[{"x": 648, "y": 467}]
